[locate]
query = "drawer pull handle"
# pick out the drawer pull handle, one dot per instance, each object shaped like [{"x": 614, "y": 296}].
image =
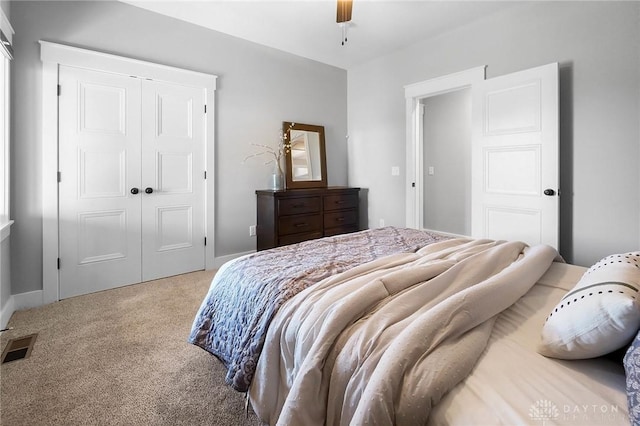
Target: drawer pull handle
[
  {"x": 300, "y": 225},
  {"x": 340, "y": 219},
  {"x": 340, "y": 202},
  {"x": 298, "y": 206}
]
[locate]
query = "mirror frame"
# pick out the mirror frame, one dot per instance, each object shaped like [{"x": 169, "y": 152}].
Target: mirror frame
[{"x": 298, "y": 184}]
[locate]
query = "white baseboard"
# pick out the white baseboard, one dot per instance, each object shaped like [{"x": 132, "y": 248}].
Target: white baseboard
[
  {"x": 6, "y": 311},
  {"x": 16, "y": 302},
  {"x": 221, "y": 260},
  {"x": 450, "y": 234},
  {"x": 30, "y": 299}
]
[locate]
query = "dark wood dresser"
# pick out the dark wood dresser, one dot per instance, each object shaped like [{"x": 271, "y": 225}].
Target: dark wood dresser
[{"x": 295, "y": 215}]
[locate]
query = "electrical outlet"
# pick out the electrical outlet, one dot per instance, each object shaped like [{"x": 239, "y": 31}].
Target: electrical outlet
[
  {"x": 252, "y": 231},
  {"x": 381, "y": 223},
  {"x": 395, "y": 171}
]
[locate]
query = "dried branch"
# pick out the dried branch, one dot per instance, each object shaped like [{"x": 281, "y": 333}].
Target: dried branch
[{"x": 283, "y": 147}]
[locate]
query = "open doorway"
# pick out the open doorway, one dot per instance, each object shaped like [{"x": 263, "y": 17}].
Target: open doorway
[
  {"x": 446, "y": 170},
  {"x": 443, "y": 90}
]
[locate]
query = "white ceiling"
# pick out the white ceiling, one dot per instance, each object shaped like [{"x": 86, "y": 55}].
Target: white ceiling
[{"x": 308, "y": 27}]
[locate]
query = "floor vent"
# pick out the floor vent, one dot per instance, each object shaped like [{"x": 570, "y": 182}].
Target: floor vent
[{"x": 18, "y": 348}]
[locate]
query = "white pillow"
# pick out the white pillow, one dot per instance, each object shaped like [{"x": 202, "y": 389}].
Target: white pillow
[{"x": 599, "y": 315}]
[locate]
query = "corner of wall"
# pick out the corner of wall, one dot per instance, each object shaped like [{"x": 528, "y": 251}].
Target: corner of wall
[
  {"x": 16, "y": 302},
  {"x": 6, "y": 311}
]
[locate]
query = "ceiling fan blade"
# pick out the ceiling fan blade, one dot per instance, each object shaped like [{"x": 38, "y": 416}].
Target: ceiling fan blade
[{"x": 344, "y": 11}]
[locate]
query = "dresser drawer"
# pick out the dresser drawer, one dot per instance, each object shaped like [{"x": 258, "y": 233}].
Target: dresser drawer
[
  {"x": 340, "y": 201},
  {"x": 299, "y": 224},
  {"x": 328, "y": 232},
  {"x": 299, "y": 205},
  {"x": 298, "y": 238},
  {"x": 340, "y": 218}
]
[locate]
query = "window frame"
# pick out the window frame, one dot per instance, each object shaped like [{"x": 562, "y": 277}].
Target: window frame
[{"x": 6, "y": 54}]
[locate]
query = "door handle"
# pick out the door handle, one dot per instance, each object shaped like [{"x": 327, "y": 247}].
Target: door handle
[
  {"x": 549, "y": 192},
  {"x": 148, "y": 190},
  {"x": 134, "y": 191}
]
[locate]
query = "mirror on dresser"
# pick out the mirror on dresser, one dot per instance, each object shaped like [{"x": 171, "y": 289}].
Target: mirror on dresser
[{"x": 305, "y": 158}]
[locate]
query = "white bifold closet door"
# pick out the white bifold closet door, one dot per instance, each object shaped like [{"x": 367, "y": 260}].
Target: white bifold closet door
[{"x": 131, "y": 161}]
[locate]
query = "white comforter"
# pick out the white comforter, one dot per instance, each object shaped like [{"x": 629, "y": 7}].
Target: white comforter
[{"x": 383, "y": 342}]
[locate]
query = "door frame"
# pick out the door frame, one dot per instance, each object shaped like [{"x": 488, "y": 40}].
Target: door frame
[
  {"x": 414, "y": 145},
  {"x": 52, "y": 56}
]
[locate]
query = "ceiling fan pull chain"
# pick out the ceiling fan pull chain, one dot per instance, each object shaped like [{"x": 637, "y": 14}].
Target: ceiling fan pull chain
[
  {"x": 343, "y": 16},
  {"x": 343, "y": 26}
]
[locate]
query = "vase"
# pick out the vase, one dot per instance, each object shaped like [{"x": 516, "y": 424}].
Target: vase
[{"x": 277, "y": 177}]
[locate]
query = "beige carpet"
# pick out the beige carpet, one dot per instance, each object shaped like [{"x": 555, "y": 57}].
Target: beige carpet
[{"x": 118, "y": 357}]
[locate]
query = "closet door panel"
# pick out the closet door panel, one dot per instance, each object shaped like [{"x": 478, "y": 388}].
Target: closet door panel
[
  {"x": 173, "y": 165},
  {"x": 99, "y": 162}
]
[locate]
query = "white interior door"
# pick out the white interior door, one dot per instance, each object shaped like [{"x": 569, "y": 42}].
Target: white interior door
[
  {"x": 99, "y": 163},
  {"x": 173, "y": 167},
  {"x": 515, "y": 157}
]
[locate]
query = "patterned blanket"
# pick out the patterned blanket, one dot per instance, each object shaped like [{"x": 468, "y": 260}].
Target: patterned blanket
[{"x": 246, "y": 293}]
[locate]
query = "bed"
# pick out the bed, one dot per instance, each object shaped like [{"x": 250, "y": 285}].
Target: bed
[{"x": 400, "y": 326}]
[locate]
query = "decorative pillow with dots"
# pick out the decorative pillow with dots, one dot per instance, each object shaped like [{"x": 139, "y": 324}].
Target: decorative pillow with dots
[{"x": 599, "y": 315}]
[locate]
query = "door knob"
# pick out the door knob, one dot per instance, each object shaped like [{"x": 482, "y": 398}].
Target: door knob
[
  {"x": 549, "y": 192},
  {"x": 134, "y": 191},
  {"x": 148, "y": 190}
]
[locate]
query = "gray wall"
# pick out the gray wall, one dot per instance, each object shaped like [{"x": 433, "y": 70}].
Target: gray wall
[
  {"x": 6, "y": 8},
  {"x": 258, "y": 89},
  {"x": 447, "y": 148},
  {"x": 598, "y": 47}
]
